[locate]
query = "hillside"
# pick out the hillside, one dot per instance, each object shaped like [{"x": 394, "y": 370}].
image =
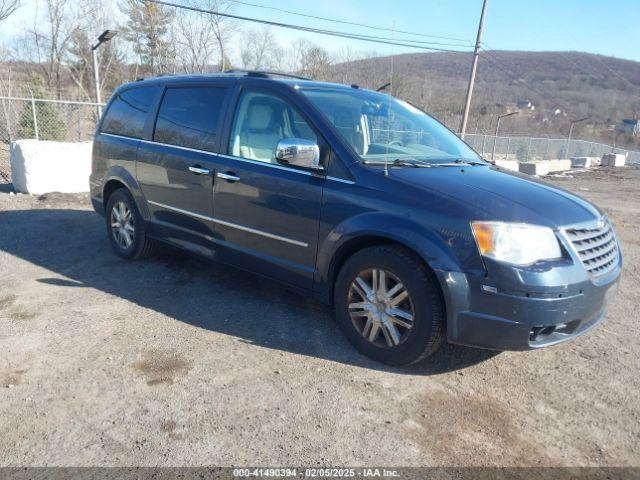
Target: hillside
[{"x": 577, "y": 84}]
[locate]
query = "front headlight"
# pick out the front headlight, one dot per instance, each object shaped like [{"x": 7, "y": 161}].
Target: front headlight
[{"x": 516, "y": 243}]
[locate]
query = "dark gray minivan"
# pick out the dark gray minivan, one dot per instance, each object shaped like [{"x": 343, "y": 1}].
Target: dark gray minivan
[{"x": 359, "y": 199}]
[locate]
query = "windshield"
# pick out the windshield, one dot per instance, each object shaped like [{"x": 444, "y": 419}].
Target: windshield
[{"x": 381, "y": 128}]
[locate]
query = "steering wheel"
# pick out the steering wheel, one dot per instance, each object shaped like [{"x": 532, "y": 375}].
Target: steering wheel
[{"x": 396, "y": 142}]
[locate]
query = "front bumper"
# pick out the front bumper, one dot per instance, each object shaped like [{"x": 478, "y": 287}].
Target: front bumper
[{"x": 485, "y": 316}]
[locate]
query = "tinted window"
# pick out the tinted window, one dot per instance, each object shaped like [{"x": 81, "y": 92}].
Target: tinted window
[
  {"x": 188, "y": 117},
  {"x": 128, "y": 112}
]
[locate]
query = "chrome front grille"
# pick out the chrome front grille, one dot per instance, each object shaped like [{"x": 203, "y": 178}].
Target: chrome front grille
[{"x": 596, "y": 247}]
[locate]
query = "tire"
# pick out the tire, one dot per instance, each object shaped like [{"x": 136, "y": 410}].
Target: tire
[
  {"x": 130, "y": 241},
  {"x": 412, "y": 340}
]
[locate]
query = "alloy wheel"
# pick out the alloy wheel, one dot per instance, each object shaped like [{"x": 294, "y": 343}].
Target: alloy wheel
[
  {"x": 122, "y": 226},
  {"x": 381, "y": 308}
]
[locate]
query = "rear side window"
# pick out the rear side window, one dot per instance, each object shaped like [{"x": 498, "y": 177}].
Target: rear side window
[
  {"x": 128, "y": 112},
  {"x": 188, "y": 117}
]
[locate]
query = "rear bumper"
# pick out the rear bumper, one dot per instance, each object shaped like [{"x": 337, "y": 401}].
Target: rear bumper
[{"x": 522, "y": 320}]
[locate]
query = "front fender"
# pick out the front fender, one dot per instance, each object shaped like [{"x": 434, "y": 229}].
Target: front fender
[
  {"x": 117, "y": 172},
  {"x": 427, "y": 243}
]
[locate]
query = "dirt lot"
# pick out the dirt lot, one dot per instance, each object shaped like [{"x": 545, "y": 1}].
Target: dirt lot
[{"x": 174, "y": 362}]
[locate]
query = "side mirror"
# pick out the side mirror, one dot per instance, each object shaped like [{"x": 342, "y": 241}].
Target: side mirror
[{"x": 299, "y": 152}]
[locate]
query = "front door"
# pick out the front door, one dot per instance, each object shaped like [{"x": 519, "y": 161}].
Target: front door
[
  {"x": 175, "y": 168},
  {"x": 266, "y": 214}
]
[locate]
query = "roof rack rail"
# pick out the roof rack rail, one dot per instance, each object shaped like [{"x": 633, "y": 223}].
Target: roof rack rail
[{"x": 266, "y": 74}]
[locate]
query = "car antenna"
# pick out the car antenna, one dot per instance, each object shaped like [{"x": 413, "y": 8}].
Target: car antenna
[
  {"x": 383, "y": 87},
  {"x": 386, "y": 163}
]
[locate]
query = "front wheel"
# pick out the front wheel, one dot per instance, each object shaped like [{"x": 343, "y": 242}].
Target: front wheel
[
  {"x": 125, "y": 227},
  {"x": 389, "y": 305}
]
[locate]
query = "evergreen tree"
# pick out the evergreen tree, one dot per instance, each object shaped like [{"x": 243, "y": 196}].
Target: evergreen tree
[
  {"x": 50, "y": 125},
  {"x": 148, "y": 28}
]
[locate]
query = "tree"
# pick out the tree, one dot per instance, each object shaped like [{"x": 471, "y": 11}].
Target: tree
[
  {"x": 62, "y": 20},
  {"x": 223, "y": 28},
  {"x": 260, "y": 50},
  {"x": 148, "y": 29},
  {"x": 195, "y": 40},
  {"x": 50, "y": 125},
  {"x": 310, "y": 60},
  {"x": 7, "y": 7},
  {"x": 110, "y": 55}
]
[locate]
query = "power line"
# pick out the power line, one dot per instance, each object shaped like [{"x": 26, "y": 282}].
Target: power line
[
  {"x": 498, "y": 64},
  {"x": 334, "y": 33},
  {"x": 616, "y": 73},
  {"x": 585, "y": 70},
  {"x": 356, "y": 24}
]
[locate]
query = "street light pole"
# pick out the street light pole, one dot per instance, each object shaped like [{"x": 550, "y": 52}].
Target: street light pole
[
  {"x": 472, "y": 75},
  {"x": 96, "y": 78},
  {"x": 103, "y": 38},
  {"x": 573, "y": 122},
  {"x": 495, "y": 135}
]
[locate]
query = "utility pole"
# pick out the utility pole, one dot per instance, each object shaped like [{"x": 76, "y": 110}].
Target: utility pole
[{"x": 472, "y": 75}]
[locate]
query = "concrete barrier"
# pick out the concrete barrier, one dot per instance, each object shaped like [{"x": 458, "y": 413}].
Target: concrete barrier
[
  {"x": 535, "y": 168},
  {"x": 613, "y": 160},
  {"x": 508, "y": 165},
  {"x": 581, "y": 162},
  {"x": 39, "y": 167},
  {"x": 559, "y": 165}
]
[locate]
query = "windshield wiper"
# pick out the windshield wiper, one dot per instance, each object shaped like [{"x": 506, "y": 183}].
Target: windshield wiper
[
  {"x": 401, "y": 163},
  {"x": 460, "y": 161}
]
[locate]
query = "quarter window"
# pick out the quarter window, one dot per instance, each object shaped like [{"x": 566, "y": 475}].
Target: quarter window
[
  {"x": 188, "y": 117},
  {"x": 262, "y": 120},
  {"x": 128, "y": 112}
]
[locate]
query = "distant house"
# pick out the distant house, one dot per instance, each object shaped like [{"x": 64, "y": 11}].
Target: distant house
[
  {"x": 630, "y": 126},
  {"x": 525, "y": 105}
]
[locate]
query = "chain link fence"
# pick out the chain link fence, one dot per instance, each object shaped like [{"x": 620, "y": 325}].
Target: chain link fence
[
  {"x": 75, "y": 121},
  {"x": 5, "y": 167},
  {"x": 43, "y": 119},
  {"x": 524, "y": 149}
]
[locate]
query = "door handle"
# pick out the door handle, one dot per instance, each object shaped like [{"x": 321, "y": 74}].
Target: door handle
[
  {"x": 229, "y": 177},
  {"x": 199, "y": 170}
]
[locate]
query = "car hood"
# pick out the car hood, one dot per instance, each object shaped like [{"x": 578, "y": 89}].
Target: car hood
[{"x": 495, "y": 194}]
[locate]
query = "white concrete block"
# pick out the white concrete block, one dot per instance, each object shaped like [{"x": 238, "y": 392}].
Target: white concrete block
[
  {"x": 559, "y": 165},
  {"x": 508, "y": 165},
  {"x": 535, "y": 168},
  {"x": 39, "y": 167},
  {"x": 581, "y": 162},
  {"x": 613, "y": 160}
]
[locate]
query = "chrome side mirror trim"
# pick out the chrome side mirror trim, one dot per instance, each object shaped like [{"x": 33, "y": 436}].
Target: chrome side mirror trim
[{"x": 299, "y": 152}]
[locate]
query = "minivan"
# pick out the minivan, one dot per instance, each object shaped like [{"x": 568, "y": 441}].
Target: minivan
[{"x": 358, "y": 199}]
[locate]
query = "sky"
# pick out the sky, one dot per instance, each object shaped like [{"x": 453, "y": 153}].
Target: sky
[{"x": 608, "y": 28}]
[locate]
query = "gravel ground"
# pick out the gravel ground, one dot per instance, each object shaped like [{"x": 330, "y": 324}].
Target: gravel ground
[{"x": 171, "y": 361}]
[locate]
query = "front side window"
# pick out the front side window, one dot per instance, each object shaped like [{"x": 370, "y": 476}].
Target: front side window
[
  {"x": 380, "y": 127},
  {"x": 261, "y": 121},
  {"x": 128, "y": 112},
  {"x": 188, "y": 117}
]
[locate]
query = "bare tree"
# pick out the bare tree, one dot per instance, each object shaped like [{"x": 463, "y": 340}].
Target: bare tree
[
  {"x": 223, "y": 28},
  {"x": 7, "y": 7},
  {"x": 260, "y": 50},
  {"x": 110, "y": 56},
  {"x": 196, "y": 42},
  {"x": 52, "y": 36},
  {"x": 309, "y": 59}
]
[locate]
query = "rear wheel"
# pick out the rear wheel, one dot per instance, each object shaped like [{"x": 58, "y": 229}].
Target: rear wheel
[
  {"x": 389, "y": 305},
  {"x": 125, "y": 227}
]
